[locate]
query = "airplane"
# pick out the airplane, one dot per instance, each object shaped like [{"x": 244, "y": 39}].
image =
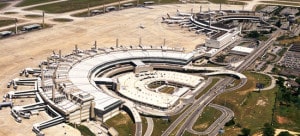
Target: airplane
[
  {"x": 175, "y": 18},
  {"x": 187, "y": 25},
  {"x": 183, "y": 14},
  {"x": 169, "y": 21}
]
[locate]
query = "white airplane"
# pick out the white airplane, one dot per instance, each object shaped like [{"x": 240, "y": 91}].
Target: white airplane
[
  {"x": 170, "y": 21},
  {"x": 187, "y": 25},
  {"x": 183, "y": 14},
  {"x": 175, "y": 18}
]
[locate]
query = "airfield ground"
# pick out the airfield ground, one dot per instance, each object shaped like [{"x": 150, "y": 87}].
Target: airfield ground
[{"x": 27, "y": 50}]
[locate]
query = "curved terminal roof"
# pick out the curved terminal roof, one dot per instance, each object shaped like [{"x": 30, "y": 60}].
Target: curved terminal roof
[{"x": 82, "y": 73}]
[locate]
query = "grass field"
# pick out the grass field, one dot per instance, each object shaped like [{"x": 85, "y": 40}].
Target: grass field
[
  {"x": 123, "y": 124},
  {"x": 213, "y": 82},
  {"x": 6, "y": 22},
  {"x": 62, "y": 20},
  {"x": 3, "y": 5},
  {"x": 227, "y": 2},
  {"x": 33, "y": 16},
  {"x": 31, "y": 2},
  {"x": 188, "y": 134},
  {"x": 208, "y": 116},
  {"x": 287, "y": 41},
  {"x": 235, "y": 83},
  {"x": 67, "y": 6},
  {"x": 210, "y": 65},
  {"x": 144, "y": 125},
  {"x": 252, "y": 109},
  {"x": 85, "y": 131},
  {"x": 85, "y": 14},
  {"x": 8, "y": 13},
  {"x": 259, "y": 7},
  {"x": 168, "y": 90},
  {"x": 254, "y": 78}
]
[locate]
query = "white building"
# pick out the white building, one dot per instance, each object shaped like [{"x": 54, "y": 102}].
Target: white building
[
  {"x": 240, "y": 50},
  {"x": 221, "y": 39}
]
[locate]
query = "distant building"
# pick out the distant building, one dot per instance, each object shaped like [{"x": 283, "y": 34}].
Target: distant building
[
  {"x": 221, "y": 39},
  {"x": 240, "y": 50},
  {"x": 268, "y": 9}
]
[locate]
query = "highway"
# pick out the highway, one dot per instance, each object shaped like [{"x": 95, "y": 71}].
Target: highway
[{"x": 198, "y": 106}]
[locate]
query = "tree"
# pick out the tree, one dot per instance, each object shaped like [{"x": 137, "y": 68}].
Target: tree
[
  {"x": 245, "y": 132},
  {"x": 253, "y": 34},
  {"x": 268, "y": 130},
  {"x": 284, "y": 133},
  {"x": 230, "y": 122},
  {"x": 298, "y": 80}
]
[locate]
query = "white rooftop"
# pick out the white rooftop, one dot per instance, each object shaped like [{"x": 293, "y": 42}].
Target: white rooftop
[
  {"x": 82, "y": 73},
  {"x": 242, "y": 49}
]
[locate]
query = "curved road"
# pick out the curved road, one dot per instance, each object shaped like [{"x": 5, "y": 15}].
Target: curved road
[
  {"x": 213, "y": 129},
  {"x": 150, "y": 126}
]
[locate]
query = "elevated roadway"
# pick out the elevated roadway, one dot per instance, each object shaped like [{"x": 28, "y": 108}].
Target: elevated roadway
[{"x": 150, "y": 126}]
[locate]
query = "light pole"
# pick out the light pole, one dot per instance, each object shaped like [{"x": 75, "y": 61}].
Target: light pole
[{"x": 16, "y": 20}]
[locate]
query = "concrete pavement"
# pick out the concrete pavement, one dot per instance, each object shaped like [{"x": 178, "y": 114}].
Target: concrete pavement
[{"x": 150, "y": 126}]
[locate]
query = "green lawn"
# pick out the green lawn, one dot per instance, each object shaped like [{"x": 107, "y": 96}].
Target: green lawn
[
  {"x": 32, "y": 2},
  {"x": 259, "y": 7},
  {"x": 6, "y": 22},
  {"x": 289, "y": 116},
  {"x": 252, "y": 109},
  {"x": 227, "y": 2},
  {"x": 252, "y": 79},
  {"x": 161, "y": 1},
  {"x": 188, "y": 134},
  {"x": 85, "y": 14},
  {"x": 8, "y": 13},
  {"x": 218, "y": 1},
  {"x": 3, "y": 5},
  {"x": 72, "y": 5},
  {"x": 168, "y": 90},
  {"x": 85, "y": 131},
  {"x": 144, "y": 125},
  {"x": 123, "y": 124},
  {"x": 208, "y": 116},
  {"x": 33, "y": 16},
  {"x": 62, "y": 19}
]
